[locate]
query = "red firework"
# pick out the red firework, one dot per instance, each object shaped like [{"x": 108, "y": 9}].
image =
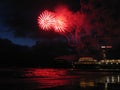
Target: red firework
[
  {"x": 60, "y": 24},
  {"x": 49, "y": 20},
  {"x": 46, "y": 20}
]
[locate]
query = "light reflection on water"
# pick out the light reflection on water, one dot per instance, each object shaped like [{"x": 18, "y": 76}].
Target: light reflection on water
[
  {"x": 59, "y": 79},
  {"x": 48, "y": 78}
]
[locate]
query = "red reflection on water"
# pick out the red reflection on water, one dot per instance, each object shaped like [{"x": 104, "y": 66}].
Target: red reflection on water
[
  {"x": 47, "y": 78},
  {"x": 48, "y": 83},
  {"x": 51, "y": 73}
]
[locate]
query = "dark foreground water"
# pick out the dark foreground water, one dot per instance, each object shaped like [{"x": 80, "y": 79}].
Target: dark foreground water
[{"x": 57, "y": 79}]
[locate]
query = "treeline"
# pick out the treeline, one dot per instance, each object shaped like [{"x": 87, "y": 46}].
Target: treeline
[{"x": 41, "y": 54}]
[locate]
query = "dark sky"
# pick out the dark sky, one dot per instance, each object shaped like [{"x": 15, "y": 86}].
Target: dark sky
[{"x": 18, "y": 18}]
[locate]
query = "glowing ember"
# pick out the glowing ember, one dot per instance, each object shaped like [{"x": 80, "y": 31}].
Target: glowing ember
[{"x": 45, "y": 20}]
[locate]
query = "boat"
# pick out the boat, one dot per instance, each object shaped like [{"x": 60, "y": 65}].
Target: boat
[
  {"x": 85, "y": 63},
  {"x": 113, "y": 64},
  {"x": 91, "y": 63}
]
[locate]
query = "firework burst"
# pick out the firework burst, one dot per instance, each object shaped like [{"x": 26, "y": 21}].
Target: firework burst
[
  {"x": 60, "y": 24},
  {"x": 50, "y": 20},
  {"x": 46, "y": 20}
]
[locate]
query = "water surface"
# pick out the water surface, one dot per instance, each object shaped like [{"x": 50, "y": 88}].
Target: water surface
[{"x": 57, "y": 79}]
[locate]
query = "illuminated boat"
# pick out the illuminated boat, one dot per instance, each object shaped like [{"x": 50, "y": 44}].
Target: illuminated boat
[
  {"x": 109, "y": 64},
  {"x": 91, "y": 63},
  {"x": 85, "y": 63}
]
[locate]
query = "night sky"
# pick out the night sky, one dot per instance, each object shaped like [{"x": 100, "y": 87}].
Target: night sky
[{"x": 18, "y": 20}]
